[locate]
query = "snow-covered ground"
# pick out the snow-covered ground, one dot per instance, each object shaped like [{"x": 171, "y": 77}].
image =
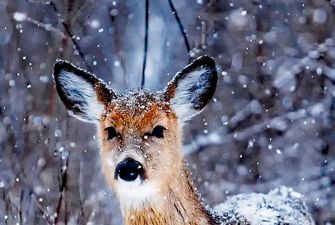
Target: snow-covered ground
[{"x": 280, "y": 206}]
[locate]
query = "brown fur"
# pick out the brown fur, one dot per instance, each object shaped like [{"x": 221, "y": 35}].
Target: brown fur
[{"x": 177, "y": 202}]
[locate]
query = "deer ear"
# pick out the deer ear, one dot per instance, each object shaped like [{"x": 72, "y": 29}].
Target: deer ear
[
  {"x": 82, "y": 93},
  {"x": 192, "y": 88}
]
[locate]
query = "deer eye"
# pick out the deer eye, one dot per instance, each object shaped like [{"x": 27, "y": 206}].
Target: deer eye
[
  {"x": 158, "y": 131},
  {"x": 111, "y": 133}
]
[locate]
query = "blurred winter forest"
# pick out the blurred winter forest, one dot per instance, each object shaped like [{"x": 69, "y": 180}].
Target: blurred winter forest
[{"x": 271, "y": 122}]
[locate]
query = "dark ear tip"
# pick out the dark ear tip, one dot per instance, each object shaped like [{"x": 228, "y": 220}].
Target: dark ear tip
[
  {"x": 205, "y": 60},
  {"x": 61, "y": 62},
  {"x": 59, "y": 65}
]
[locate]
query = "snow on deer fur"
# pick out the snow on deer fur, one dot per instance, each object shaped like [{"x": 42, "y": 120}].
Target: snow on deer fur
[{"x": 140, "y": 138}]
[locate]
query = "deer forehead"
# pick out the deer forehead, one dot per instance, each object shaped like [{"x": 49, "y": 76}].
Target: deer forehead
[{"x": 138, "y": 110}]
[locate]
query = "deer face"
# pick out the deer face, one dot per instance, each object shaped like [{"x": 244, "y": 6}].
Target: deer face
[{"x": 139, "y": 131}]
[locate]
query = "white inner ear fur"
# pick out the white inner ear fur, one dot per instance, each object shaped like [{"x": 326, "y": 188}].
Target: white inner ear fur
[
  {"x": 181, "y": 103},
  {"x": 79, "y": 90}
]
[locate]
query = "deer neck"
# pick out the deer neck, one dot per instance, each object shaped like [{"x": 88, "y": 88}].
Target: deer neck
[{"x": 178, "y": 205}]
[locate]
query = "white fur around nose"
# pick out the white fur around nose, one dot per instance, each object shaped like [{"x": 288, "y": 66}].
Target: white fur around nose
[
  {"x": 181, "y": 103},
  {"x": 134, "y": 194},
  {"x": 80, "y": 91}
]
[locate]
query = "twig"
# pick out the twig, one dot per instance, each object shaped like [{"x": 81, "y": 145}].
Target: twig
[
  {"x": 66, "y": 28},
  {"x": 145, "y": 42},
  {"x": 117, "y": 38},
  {"x": 313, "y": 55},
  {"x": 72, "y": 37},
  {"x": 241, "y": 115},
  {"x": 62, "y": 188},
  {"x": 47, "y": 27},
  {"x": 20, "y": 207},
  {"x": 39, "y": 2},
  {"x": 6, "y": 205},
  {"x": 181, "y": 27},
  {"x": 40, "y": 208},
  {"x": 80, "y": 190},
  {"x": 218, "y": 137}
]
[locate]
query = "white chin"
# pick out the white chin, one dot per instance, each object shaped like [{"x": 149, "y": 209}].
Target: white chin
[{"x": 137, "y": 193}]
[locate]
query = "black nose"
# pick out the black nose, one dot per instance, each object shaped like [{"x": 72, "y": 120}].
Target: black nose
[{"x": 128, "y": 170}]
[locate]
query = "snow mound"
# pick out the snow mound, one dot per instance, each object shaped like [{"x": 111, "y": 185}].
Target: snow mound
[{"x": 281, "y": 206}]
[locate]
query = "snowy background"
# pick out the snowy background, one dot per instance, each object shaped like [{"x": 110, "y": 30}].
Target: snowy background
[{"x": 271, "y": 122}]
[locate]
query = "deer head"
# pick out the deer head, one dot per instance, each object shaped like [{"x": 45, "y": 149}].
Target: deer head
[{"x": 140, "y": 132}]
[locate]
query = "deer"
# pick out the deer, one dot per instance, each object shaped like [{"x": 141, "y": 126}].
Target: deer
[{"x": 140, "y": 135}]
